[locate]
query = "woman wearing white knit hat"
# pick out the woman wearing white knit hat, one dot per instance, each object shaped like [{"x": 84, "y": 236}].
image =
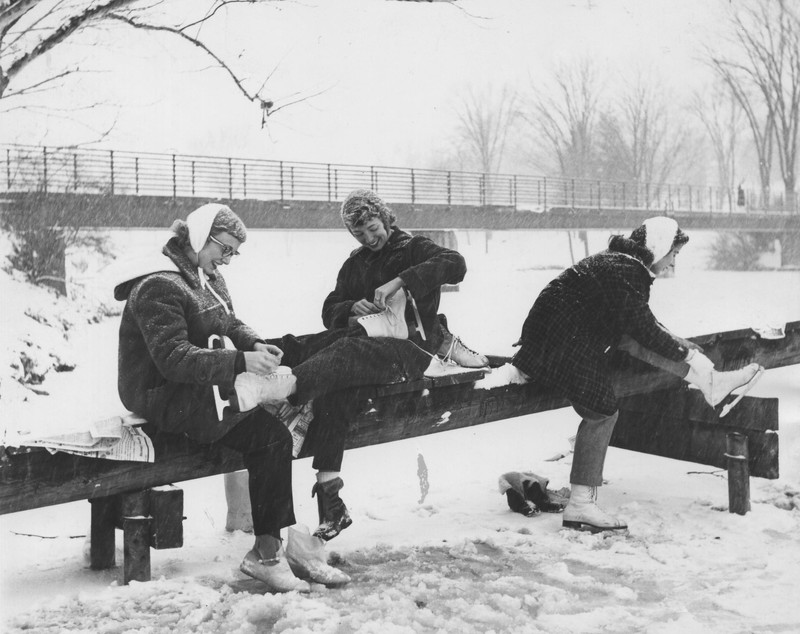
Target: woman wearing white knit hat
[{"x": 591, "y": 309}]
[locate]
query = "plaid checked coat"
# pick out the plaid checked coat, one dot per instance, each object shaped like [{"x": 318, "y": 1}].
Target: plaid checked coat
[{"x": 578, "y": 320}]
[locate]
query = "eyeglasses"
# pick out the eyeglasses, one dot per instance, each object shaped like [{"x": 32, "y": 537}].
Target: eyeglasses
[{"x": 227, "y": 250}]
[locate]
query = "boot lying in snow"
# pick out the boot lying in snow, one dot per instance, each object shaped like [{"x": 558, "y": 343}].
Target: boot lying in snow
[{"x": 527, "y": 493}]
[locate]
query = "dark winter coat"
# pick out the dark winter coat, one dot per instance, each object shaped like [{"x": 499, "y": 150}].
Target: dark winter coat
[
  {"x": 166, "y": 371},
  {"x": 422, "y": 265},
  {"x": 579, "y": 319}
]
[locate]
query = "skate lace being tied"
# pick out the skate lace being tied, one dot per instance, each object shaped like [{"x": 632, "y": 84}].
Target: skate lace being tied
[{"x": 454, "y": 343}]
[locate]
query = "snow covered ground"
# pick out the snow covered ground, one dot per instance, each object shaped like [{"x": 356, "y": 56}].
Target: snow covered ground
[{"x": 457, "y": 560}]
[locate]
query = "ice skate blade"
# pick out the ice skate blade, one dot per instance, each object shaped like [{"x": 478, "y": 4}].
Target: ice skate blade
[
  {"x": 747, "y": 387},
  {"x": 591, "y": 528}
]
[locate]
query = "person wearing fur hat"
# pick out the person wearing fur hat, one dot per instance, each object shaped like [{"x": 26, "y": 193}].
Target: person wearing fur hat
[
  {"x": 177, "y": 303},
  {"x": 593, "y": 308},
  {"x": 372, "y": 284}
]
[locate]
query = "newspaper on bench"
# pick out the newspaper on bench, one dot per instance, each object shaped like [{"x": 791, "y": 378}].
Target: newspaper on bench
[{"x": 115, "y": 438}]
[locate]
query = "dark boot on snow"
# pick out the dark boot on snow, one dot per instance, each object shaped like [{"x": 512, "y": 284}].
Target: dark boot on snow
[{"x": 333, "y": 515}]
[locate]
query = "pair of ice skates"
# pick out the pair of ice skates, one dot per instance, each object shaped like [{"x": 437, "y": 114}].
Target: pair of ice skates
[
  {"x": 582, "y": 511},
  {"x": 391, "y": 322}
]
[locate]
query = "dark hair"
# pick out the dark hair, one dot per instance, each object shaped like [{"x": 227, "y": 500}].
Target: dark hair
[
  {"x": 362, "y": 205},
  {"x": 636, "y": 244},
  {"x": 632, "y": 247}
]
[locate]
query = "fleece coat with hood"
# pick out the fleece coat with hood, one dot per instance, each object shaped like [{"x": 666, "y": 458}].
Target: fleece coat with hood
[{"x": 166, "y": 370}]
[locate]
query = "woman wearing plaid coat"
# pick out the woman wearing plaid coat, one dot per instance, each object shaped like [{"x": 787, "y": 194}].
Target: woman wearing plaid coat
[{"x": 591, "y": 309}]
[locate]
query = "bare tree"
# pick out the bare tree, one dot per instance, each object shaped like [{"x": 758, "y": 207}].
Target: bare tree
[
  {"x": 638, "y": 139},
  {"x": 485, "y": 118},
  {"x": 31, "y": 28},
  {"x": 723, "y": 119},
  {"x": 563, "y": 114},
  {"x": 764, "y": 73}
]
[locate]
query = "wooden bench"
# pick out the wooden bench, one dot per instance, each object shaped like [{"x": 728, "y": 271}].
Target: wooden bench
[{"x": 658, "y": 415}]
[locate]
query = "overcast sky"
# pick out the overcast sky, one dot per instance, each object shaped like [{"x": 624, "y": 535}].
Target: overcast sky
[{"x": 389, "y": 73}]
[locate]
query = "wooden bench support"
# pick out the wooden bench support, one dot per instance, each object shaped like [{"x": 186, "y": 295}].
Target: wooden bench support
[
  {"x": 152, "y": 518},
  {"x": 738, "y": 473}
]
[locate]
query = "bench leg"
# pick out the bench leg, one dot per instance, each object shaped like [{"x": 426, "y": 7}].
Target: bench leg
[
  {"x": 136, "y": 535},
  {"x": 102, "y": 533},
  {"x": 738, "y": 473}
]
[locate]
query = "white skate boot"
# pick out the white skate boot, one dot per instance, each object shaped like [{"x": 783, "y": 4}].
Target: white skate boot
[
  {"x": 582, "y": 512},
  {"x": 390, "y": 322},
  {"x": 714, "y": 385},
  {"x": 252, "y": 390}
]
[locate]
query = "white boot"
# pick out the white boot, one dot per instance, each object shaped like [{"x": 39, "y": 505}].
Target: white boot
[
  {"x": 715, "y": 385},
  {"x": 390, "y": 322},
  {"x": 307, "y": 559},
  {"x": 583, "y": 513},
  {"x": 253, "y": 389},
  {"x": 237, "y": 496},
  {"x": 275, "y": 573},
  {"x": 453, "y": 349}
]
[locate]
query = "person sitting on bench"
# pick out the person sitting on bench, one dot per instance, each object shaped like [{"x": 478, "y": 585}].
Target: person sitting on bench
[
  {"x": 577, "y": 321},
  {"x": 175, "y": 305},
  {"x": 389, "y": 262}
]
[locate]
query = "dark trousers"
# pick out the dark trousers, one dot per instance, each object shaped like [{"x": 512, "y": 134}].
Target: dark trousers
[
  {"x": 329, "y": 365},
  {"x": 266, "y": 447}
]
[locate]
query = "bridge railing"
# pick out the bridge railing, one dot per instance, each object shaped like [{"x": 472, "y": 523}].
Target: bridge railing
[{"x": 25, "y": 168}]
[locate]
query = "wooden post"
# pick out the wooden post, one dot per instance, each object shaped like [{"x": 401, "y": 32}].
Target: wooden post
[
  {"x": 136, "y": 532},
  {"x": 136, "y": 536},
  {"x": 738, "y": 473},
  {"x": 102, "y": 533}
]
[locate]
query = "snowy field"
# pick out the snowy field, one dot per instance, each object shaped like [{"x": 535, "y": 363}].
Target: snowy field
[{"x": 457, "y": 560}]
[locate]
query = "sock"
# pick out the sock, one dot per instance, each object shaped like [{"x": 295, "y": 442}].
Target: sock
[{"x": 325, "y": 476}]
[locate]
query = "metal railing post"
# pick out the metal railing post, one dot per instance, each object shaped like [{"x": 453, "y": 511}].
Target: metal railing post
[
  {"x": 599, "y": 197},
  {"x": 329, "y": 182},
  {"x": 291, "y": 181},
  {"x": 111, "y": 154},
  {"x": 413, "y": 187},
  {"x": 230, "y": 178},
  {"x": 174, "y": 178},
  {"x": 544, "y": 187},
  {"x": 449, "y": 188},
  {"x": 193, "y": 187},
  {"x": 690, "y": 198},
  {"x": 8, "y": 169},
  {"x": 281, "y": 178},
  {"x": 44, "y": 165},
  {"x": 74, "y": 172},
  {"x": 244, "y": 180},
  {"x": 136, "y": 175}
]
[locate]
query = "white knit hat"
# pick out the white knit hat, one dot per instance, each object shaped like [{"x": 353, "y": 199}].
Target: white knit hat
[
  {"x": 660, "y": 237},
  {"x": 199, "y": 223}
]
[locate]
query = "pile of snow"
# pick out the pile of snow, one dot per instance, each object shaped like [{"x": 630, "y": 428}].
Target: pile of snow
[{"x": 446, "y": 555}]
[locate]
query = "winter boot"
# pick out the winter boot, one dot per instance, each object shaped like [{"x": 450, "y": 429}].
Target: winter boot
[
  {"x": 333, "y": 515},
  {"x": 307, "y": 559},
  {"x": 275, "y": 572},
  {"x": 390, "y": 322},
  {"x": 582, "y": 512},
  {"x": 252, "y": 390},
  {"x": 715, "y": 385}
]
